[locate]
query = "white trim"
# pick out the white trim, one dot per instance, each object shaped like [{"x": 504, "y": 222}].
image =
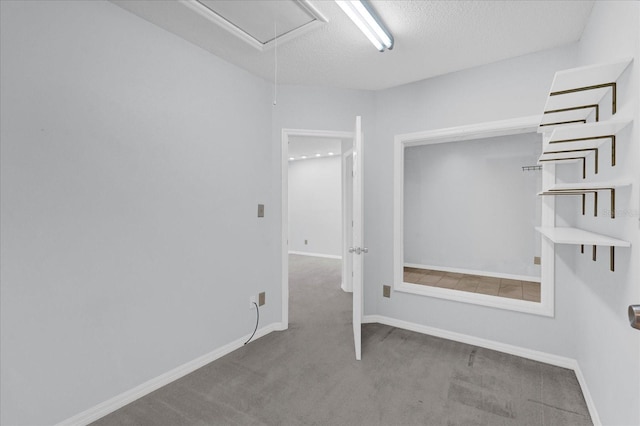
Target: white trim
[
  {"x": 347, "y": 219},
  {"x": 284, "y": 178},
  {"x": 328, "y": 256},
  {"x": 475, "y": 272},
  {"x": 513, "y": 126},
  {"x": 318, "y": 21},
  {"x": 472, "y": 340},
  {"x": 591, "y": 405},
  {"x": 518, "y": 305},
  {"x": 358, "y": 236},
  {"x": 284, "y": 214},
  {"x": 109, "y": 406},
  {"x": 329, "y": 134},
  {"x": 483, "y": 130},
  {"x": 547, "y": 358}
]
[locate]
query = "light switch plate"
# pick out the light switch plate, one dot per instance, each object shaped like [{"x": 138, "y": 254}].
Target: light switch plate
[
  {"x": 261, "y": 298},
  {"x": 536, "y": 260},
  {"x": 260, "y": 210}
]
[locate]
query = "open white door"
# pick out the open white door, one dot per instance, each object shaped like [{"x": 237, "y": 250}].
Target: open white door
[{"x": 357, "y": 250}]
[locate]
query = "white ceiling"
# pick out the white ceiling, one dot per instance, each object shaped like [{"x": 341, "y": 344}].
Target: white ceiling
[{"x": 431, "y": 38}]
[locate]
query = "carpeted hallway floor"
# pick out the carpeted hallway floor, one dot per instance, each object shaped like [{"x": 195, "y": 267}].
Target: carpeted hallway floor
[{"x": 308, "y": 375}]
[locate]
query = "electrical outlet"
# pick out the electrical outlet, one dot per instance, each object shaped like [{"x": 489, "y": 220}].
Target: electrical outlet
[
  {"x": 261, "y": 298},
  {"x": 306, "y": 242},
  {"x": 386, "y": 291},
  {"x": 252, "y": 301}
]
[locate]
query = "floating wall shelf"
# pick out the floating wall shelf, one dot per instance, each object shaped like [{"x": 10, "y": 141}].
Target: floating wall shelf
[
  {"x": 576, "y": 93},
  {"x": 576, "y": 236},
  {"x": 578, "y": 141},
  {"x": 567, "y": 156},
  {"x": 586, "y": 136},
  {"x": 588, "y": 188},
  {"x": 577, "y": 96}
]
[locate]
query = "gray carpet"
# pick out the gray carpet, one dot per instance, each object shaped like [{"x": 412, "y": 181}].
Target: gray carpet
[{"x": 308, "y": 375}]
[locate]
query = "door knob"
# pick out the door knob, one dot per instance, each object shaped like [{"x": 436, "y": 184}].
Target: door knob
[
  {"x": 634, "y": 316},
  {"x": 356, "y": 250},
  {"x": 365, "y": 250}
]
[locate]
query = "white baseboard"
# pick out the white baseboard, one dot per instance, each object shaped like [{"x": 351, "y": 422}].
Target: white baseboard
[
  {"x": 547, "y": 358},
  {"x": 98, "y": 411},
  {"x": 119, "y": 401},
  {"x": 591, "y": 405},
  {"x": 304, "y": 253},
  {"x": 475, "y": 272}
]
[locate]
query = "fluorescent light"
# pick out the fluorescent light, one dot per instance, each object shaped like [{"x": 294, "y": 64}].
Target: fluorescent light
[
  {"x": 318, "y": 155},
  {"x": 291, "y": 158},
  {"x": 364, "y": 17},
  {"x": 373, "y": 24},
  {"x": 303, "y": 157},
  {"x": 331, "y": 153}
]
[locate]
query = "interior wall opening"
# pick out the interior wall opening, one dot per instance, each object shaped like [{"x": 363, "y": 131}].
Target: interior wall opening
[
  {"x": 465, "y": 212},
  {"x": 470, "y": 209},
  {"x": 318, "y": 213}
]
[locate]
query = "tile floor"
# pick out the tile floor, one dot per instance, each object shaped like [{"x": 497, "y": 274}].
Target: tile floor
[{"x": 513, "y": 289}]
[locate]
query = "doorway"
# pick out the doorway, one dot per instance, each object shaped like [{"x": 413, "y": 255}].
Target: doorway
[
  {"x": 354, "y": 226},
  {"x": 325, "y": 233}
]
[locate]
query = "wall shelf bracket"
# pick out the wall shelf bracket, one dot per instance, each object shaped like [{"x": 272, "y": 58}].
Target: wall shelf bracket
[
  {"x": 613, "y": 144},
  {"x": 584, "y": 163},
  {"x": 593, "y": 87}
]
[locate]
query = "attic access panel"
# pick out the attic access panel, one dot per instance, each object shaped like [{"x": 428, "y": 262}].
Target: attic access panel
[{"x": 259, "y": 22}]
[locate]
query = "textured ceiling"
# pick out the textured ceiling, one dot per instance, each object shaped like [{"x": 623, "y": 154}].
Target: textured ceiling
[{"x": 431, "y": 38}]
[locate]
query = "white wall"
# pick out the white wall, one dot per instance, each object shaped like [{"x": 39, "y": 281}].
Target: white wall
[
  {"x": 499, "y": 91},
  {"x": 590, "y": 322},
  {"x": 119, "y": 227},
  {"x": 469, "y": 205},
  {"x": 130, "y": 183},
  {"x": 508, "y": 89},
  {"x": 610, "y": 349},
  {"x": 315, "y": 206},
  {"x": 321, "y": 108}
]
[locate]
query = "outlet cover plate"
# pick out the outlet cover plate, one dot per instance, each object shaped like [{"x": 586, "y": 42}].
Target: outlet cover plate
[{"x": 386, "y": 291}]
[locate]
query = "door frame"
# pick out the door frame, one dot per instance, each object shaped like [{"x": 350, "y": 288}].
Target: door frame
[
  {"x": 347, "y": 216},
  {"x": 284, "y": 160}
]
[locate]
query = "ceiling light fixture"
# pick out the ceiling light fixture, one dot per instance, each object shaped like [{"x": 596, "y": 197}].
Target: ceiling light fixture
[
  {"x": 318, "y": 155},
  {"x": 291, "y": 158},
  {"x": 331, "y": 153},
  {"x": 363, "y": 15}
]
